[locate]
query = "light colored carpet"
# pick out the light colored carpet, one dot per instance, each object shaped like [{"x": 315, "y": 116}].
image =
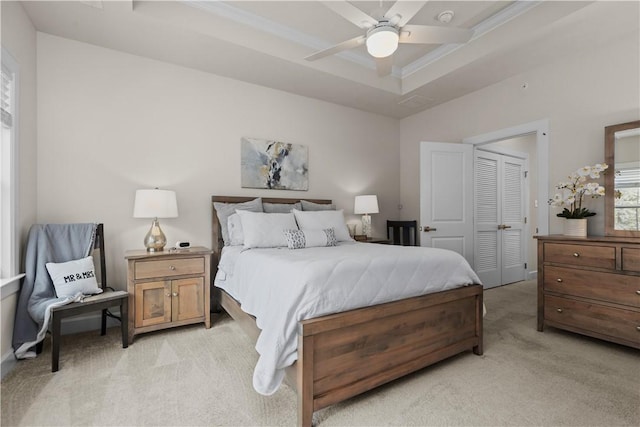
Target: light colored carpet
[{"x": 194, "y": 376}]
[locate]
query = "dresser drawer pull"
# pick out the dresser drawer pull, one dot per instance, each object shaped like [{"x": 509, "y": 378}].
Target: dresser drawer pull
[
  {"x": 559, "y": 310},
  {"x": 559, "y": 280},
  {"x": 638, "y": 328},
  {"x": 576, "y": 254},
  {"x": 171, "y": 267},
  {"x": 638, "y": 292},
  {"x": 168, "y": 295}
]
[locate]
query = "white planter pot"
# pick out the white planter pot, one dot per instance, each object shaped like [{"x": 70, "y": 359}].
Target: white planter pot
[{"x": 575, "y": 227}]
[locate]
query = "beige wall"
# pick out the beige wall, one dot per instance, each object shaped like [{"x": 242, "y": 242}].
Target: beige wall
[
  {"x": 19, "y": 39},
  {"x": 110, "y": 123},
  {"x": 580, "y": 95}
]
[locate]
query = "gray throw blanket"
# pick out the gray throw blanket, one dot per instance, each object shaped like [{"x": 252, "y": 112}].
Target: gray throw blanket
[{"x": 45, "y": 243}]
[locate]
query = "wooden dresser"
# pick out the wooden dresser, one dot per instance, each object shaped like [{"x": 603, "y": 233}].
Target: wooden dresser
[
  {"x": 168, "y": 288},
  {"x": 590, "y": 286}
]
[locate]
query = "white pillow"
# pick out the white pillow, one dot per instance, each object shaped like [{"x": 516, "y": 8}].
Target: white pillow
[
  {"x": 225, "y": 210},
  {"x": 74, "y": 277},
  {"x": 298, "y": 239},
  {"x": 319, "y": 220},
  {"x": 234, "y": 226},
  {"x": 266, "y": 230}
]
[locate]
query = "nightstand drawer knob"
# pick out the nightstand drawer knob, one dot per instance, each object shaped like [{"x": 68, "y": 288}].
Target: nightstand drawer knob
[
  {"x": 638, "y": 292},
  {"x": 638, "y": 328},
  {"x": 559, "y": 280},
  {"x": 576, "y": 254},
  {"x": 175, "y": 294},
  {"x": 559, "y": 310},
  {"x": 171, "y": 267}
]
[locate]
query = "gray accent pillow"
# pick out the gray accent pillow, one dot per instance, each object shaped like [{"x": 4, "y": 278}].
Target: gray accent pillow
[
  {"x": 281, "y": 207},
  {"x": 310, "y": 206},
  {"x": 225, "y": 210}
]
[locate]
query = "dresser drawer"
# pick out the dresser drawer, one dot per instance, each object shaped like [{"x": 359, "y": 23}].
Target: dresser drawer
[
  {"x": 631, "y": 259},
  {"x": 168, "y": 268},
  {"x": 610, "y": 287},
  {"x": 585, "y": 317},
  {"x": 580, "y": 255}
]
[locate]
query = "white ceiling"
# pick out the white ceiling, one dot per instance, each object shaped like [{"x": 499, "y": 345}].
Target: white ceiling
[{"x": 265, "y": 42}]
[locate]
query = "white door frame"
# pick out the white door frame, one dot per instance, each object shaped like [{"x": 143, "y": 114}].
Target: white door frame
[{"x": 541, "y": 129}]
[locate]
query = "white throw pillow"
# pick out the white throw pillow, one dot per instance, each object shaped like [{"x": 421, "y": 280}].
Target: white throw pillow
[
  {"x": 298, "y": 239},
  {"x": 236, "y": 235},
  {"x": 74, "y": 277},
  {"x": 266, "y": 230},
  {"x": 319, "y": 220}
]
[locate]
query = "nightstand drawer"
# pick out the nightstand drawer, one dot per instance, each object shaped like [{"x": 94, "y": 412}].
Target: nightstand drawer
[
  {"x": 168, "y": 267},
  {"x": 583, "y": 255},
  {"x": 580, "y": 316},
  {"x": 610, "y": 287},
  {"x": 631, "y": 259}
]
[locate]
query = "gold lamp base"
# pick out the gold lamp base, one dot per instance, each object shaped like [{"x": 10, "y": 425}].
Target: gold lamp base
[{"x": 155, "y": 240}]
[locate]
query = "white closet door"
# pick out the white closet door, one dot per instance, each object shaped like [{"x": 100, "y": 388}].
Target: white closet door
[
  {"x": 513, "y": 217},
  {"x": 488, "y": 244},
  {"x": 499, "y": 218}
]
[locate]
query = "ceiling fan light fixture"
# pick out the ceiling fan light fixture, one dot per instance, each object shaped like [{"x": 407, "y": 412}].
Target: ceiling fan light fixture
[{"x": 382, "y": 41}]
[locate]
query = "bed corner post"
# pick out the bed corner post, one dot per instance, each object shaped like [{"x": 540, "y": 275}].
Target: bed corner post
[
  {"x": 305, "y": 379},
  {"x": 479, "y": 319}
]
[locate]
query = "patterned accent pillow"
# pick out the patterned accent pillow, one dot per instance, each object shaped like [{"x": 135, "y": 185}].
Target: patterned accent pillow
[
  {"x": 298, "y": 239},
  {"x": 73, "y": 278}
]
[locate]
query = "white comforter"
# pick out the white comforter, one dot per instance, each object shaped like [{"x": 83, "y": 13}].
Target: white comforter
[{"x": 281, "y": 287}]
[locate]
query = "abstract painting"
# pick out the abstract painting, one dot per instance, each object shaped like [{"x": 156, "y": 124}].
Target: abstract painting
[{"x": 274, "y": 165}]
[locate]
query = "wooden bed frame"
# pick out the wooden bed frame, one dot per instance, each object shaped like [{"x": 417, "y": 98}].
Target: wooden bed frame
[{"x": 345, "y": 354}]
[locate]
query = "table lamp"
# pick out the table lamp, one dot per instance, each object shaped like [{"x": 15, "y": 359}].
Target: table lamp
[
  {"x": 155, "y": 204},
  {"x": 366, "y": 205}
]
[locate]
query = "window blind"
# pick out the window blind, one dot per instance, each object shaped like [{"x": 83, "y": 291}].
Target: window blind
[{"x": 6, "y": 98}]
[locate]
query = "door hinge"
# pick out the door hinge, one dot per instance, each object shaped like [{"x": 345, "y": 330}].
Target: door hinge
[
  {"x": 525, "y": 173},
  {"x": 525, "y": 219},
  {"x": 525, "y": 265}
]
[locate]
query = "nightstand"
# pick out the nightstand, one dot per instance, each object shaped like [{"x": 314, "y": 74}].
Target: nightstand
[
  {"x": 167, "y": 289},
  {"x": 381, "y": 240}
]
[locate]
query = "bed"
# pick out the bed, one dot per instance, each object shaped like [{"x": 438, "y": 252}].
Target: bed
[{"x": 344, "y": 354}]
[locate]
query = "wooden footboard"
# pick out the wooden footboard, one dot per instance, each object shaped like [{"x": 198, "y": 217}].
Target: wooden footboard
[{"x": 345, "y": 354}]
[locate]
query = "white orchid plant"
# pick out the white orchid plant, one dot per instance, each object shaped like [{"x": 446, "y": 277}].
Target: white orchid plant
[{"x": 573, "y": 192}]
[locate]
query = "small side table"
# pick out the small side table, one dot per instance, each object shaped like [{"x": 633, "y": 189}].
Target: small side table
[
  {"x": 167, "y": 289},
  {"x": 380, "y": 240}
]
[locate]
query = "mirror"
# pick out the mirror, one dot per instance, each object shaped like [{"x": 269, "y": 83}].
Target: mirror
[{"x": 622, "y": 180}]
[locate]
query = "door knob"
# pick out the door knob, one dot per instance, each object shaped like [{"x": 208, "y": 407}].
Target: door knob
[{"x": 428, "y": 229}]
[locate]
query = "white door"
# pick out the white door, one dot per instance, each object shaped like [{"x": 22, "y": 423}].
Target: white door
[
  {"x": 499, "y": 218},
  {"x": 446, "y": 197}
]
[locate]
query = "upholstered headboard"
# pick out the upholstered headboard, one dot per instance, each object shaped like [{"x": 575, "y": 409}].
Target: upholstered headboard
[{"x": 216, "y": 234}]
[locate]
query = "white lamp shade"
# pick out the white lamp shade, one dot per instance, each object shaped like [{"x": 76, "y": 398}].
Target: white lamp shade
[
  {"x": 155, "y": 204},
  {"x": 366, "y": 204},
  {"x": 382, "y": 41}
]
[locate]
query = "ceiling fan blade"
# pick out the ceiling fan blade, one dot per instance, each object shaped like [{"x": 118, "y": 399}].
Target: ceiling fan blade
[
  {"x": 349, "y": 44},
  {"x": 383, "y": 65},
  {"x": 405, "y": 10},
  {"x": 424, "y": 34},
  {"x": 351, "y": 13}
]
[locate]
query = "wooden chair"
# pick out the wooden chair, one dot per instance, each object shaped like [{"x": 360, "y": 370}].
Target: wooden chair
[
  {"x": 107, "y": 299},
  {"x": 402, "y": 231}
]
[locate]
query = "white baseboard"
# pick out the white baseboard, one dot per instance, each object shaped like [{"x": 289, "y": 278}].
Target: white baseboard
[
  {"x": 71, "y": 325},
  {"x": 532, "y": 275},
  {"x": 87, "y": 322}
]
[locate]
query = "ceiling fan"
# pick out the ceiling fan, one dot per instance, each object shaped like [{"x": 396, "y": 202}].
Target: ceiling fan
[{"x": 383, "y": 35}]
